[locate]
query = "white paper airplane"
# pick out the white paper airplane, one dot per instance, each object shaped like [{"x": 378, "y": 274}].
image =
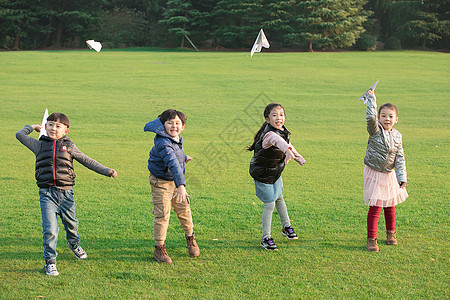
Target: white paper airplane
[
  {"x": 261, "y": 41},
  {"x": 372, "y": 88},
  {"x": 94, "y": 45},
  {"x": 44, "y": 121}
]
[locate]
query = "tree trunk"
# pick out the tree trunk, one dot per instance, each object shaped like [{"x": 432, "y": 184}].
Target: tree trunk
[
  {"x": 310, "y": 47},
  {"x": 182, "y": 37},
  {"x": 48, "y": 34},
  {"x": 58, "y": 42},
  {"x": 17, "y": 39}
]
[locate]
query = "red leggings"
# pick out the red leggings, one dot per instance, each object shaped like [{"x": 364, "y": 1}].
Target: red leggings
[{"x": 374, "y": 215}]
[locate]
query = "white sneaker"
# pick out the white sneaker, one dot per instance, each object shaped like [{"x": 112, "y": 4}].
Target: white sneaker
[
  {"x": 78, "y": 251},
  {"x": 50, "y": 269}
]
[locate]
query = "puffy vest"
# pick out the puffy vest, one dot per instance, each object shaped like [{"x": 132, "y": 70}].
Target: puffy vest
[
  {"x": 267, "y": 164},
  {"x": 54, "y": 165}
]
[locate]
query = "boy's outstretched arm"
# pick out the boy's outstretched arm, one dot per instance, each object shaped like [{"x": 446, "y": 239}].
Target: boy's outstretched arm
[
  {"x": 23, "y": 136},
  {"x": 90, "y": 163}
]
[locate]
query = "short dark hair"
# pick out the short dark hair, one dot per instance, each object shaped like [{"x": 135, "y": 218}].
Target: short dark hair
[
  {"x": 388, "y": 106},
  {"x": 172, "y": 114},
  {"x": 59, "y": 117}
]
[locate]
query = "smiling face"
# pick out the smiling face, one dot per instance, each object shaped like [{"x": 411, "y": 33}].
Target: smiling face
[
  {"x": 388, "y": 118},
  {"x": 276, "y": 117},
  {"x": 174, "y": 127},
  {"x": 56, "y": 130}
]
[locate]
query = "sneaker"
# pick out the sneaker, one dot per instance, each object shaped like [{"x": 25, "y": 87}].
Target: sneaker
[
  {"x": 372, "y": 245},
  {"x": 268, "y": 244},
  {"x": 160, "y": 254},
  {"x": 50, "y": 268},
  {"x": 78, "y": 251},
  {"x": 391, "y": 239},
  {"x": 193, "y": 248},
  {"x": 289, "y": 233}
]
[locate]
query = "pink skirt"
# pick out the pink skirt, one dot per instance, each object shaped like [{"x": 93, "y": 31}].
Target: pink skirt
[{"x": 382, "y": 189}]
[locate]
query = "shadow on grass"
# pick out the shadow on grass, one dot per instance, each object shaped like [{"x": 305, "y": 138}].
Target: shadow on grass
[{"x": 141, "y": 250}]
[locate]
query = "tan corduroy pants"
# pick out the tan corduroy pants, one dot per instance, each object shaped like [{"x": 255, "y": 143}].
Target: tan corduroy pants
[{"x": 162, "y": 200}]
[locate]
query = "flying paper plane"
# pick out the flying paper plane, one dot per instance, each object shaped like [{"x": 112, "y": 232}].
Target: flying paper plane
[
  {"x": 372, "y": 88},
  {"x": 261, "y": 41},
  {"x": 94, "y": 45},
  {"x": 44, "y": 121}
]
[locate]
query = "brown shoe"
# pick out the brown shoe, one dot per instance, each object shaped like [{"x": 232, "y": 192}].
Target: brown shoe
[
  {"x": 193, "y": 248},
  {"x": 372, "y": 245},
  {"x": 161, "y": 255},
  {"x": 390, "y": 238}
]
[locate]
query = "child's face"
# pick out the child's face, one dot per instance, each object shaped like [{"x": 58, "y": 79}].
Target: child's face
[
  {"x": 56, "y": 130},
  {"x": 388, "y": 118},
  {"x": 174, "y": 127},
  {"x": 276, "y": 117}
]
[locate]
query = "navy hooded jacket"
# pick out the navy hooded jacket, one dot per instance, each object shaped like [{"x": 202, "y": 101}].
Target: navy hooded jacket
[{"x": 166, "y": 159}]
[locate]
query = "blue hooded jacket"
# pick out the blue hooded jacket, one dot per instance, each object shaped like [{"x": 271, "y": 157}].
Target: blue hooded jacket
[{"x": 166, "y": 159}]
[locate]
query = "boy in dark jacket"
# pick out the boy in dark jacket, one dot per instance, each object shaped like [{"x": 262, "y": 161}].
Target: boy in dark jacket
[
  {"x": 55, "y": 177},
  {"x": 167, "y": 167}
]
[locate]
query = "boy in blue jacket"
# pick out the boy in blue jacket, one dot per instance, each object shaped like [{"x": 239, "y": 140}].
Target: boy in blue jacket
[{"x": 167, "y": 167}]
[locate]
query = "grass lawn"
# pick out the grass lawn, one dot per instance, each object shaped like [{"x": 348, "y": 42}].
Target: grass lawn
[{"x": 110, "y": 95}]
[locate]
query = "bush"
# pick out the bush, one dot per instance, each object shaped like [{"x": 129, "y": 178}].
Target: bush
[
  {"x": 393, "y": 43},
  {"x": 366, "y": 42},
  {"x": 122, "y": 27}
]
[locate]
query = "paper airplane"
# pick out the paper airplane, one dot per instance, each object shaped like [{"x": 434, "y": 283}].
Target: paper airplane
[
  {"x": 261, "y": 41},
  {"x": 94, "y": 45},
  {"x": 44, "y": 121},
  {"x": 372, "y": 88}
]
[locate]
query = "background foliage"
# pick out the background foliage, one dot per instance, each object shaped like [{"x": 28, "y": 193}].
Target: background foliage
[{"x": 292, "y": 24}]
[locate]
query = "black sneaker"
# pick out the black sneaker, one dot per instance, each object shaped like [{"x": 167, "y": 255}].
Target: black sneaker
[
  {"x": 50, "y": 268},
  {"x": 268, "y": 244},
  {"x": 78, "y": 251},
  {"x": 289, "y": 233}
]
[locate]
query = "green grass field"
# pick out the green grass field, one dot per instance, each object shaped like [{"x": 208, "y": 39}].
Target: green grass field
[{"x": 110, "y": 95}]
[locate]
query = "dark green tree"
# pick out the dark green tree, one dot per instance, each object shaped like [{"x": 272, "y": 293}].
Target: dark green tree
[
  {"x": 17, "y": 19},
  {"x": 122, "y": 27},
  {"x": 278, "y": 21},
  {"x": 425, "y": 26},
  {"x": 417, "y": 23},
  {"x": 236, "y": 23},
  {"x": 178, "y": 17},
  {"x": 331, "y": 24}
]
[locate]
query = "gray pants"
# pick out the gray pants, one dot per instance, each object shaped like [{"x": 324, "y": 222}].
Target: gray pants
[{"x": 267, "y": 216}]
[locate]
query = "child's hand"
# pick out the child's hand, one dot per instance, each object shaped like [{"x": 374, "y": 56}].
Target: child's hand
[
  {"x": 370, "y": 92},
  {"x": 289, "y": 155},
  {"x": 112, "y": 173},
  {"x": 37, "y": 127},
  {"x": 181, "y": 195},
  {"x": 402, "y": 185},
  {"x": 300, "y": 159},
  {"x": 188, "y": 158}
]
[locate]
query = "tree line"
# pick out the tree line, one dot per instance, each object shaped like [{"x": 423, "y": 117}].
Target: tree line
[{"x": 232, "y": 24}]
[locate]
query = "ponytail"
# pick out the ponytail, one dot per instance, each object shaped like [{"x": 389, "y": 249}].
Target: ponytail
[{"x": 257, "y": 136}]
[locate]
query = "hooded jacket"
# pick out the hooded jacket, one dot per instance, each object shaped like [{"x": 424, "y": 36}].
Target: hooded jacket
[
  {"x": 267, "y": 164},
  {"x": 166, "y": 158},
  {"x": 384, "y": 149}
]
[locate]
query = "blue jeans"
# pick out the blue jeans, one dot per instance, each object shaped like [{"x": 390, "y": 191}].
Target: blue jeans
[{"x": 56, "y": 202}]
